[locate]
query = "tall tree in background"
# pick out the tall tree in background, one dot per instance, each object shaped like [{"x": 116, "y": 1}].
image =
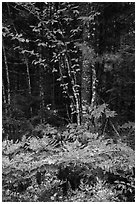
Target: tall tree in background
[{"x": 88, "y": 75}]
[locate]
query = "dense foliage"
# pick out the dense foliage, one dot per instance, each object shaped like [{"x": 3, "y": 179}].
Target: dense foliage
[
  {"x": 68, "y": 93},
  {"x": 67, "y": 165}
]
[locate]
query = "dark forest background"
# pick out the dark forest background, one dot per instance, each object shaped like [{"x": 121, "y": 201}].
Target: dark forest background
[{"x": 68, "y": 63}]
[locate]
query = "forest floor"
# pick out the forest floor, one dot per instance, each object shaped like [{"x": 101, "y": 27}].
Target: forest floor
[{"x": 68, "y": 165}]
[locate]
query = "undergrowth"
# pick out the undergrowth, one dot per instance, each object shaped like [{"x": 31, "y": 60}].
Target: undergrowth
[{"x": 70, "y": 164}]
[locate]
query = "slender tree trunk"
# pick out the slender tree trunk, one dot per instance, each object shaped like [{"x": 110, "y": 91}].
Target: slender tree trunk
[
  {"x": 28, "y": 75},
  {"x": 41, "y": 73},
  {"x": 8, "y": 84},
  {"x": 61, "y": 67},
  {"x": 94, "y": 80},
  {"x": 28, "y": 80},
  {"x": 7, "y": 74},
  {"x": 75, "y": 90},
  {"x": 4, "y": 99},
  {"x": 86, "y": 82},
  {"x": 88, "y": 75},
  {"x": 86, "y": 72},
  {"x": 3, "y": 93},
  {"x": 42, "y": 104},
  {"x": 4, "y": 112},
  {"x": 75, "y": 105}
]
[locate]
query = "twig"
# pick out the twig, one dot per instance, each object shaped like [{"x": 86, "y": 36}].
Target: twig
[{"x": 114, "y": 129}]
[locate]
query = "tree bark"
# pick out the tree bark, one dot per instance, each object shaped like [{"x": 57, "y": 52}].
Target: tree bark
[
  {"x": 86, "y": 82},
  {"x": 3, "y": 93},
  {"x": 7, "y": 74},
  {"x": 75, "y": 90},
  {"x": 94, "y": 80},
  {"x": 88, "y": 75},
  {"x": 4, "y": 99},
  {"x": 42, "y": 104},
  {"x": 41, "y": 72}
]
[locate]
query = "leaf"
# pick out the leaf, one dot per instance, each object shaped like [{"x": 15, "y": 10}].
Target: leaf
[
  {"x": 75, "y": 65},
  {"x": 110, "y": 114},
  {"x": 42, "y": 44},
  {"x": 54, "y": 70},
  {"x": 59, "y": 31},
  {"x": 59, "y": 79},
  {"x": 128, "y": 125},
  {"x": 75, "y": 11}
]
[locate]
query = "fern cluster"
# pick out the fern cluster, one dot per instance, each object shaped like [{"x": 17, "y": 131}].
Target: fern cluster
[{"x": 72, "y": 159}]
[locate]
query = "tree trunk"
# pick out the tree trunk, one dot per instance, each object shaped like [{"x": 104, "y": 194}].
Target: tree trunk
[
  {"x": 41, "y": 73},
  {"x": 86, "y": 82},
  {"x": 28, "y": 80},
  {"x": 42, "y": 104},
  {"x": 88, "y": 75},
  {"x": 76, "y": 94},
  {"x": 94, "y": 80},
  {"x": 28, "y": 75},
  {"x": 3, "y": 93},
  {"x": 7, "y": 74},
  {"x": 4, "y": 99}
]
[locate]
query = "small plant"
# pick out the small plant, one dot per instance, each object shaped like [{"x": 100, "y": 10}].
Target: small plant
[
  {"x": 98, "y": 118},
  {"x": 127, "y": 131}
]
